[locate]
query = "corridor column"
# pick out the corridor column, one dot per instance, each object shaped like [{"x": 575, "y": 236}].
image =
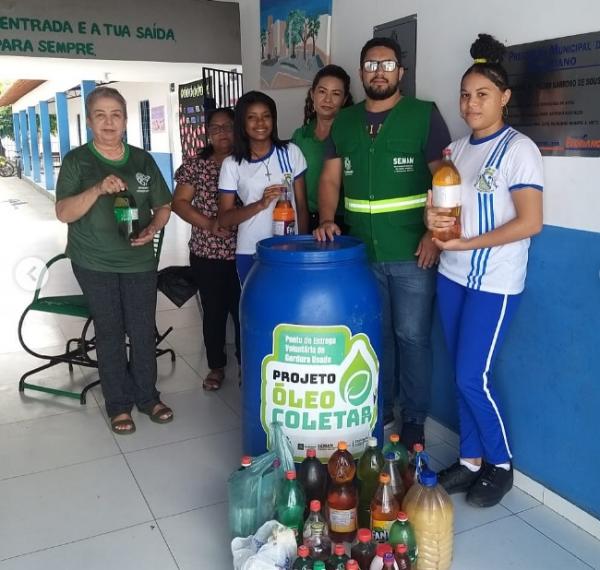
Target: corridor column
[
  {"x": 62, "y": 121},
  {"x": 17, "y": 132},
  {"x": 87, "y": 87},
  {"x": 33, "y": 140},
  {"x": 25, "y": 143},
  {"x": 46, "y": 147}
]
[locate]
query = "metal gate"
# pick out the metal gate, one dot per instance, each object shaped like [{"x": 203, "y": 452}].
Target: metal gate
[{"x": 223, "y": 88}]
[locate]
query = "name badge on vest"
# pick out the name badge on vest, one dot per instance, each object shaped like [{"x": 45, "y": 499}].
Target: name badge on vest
[{"x": 403, "y": 164}]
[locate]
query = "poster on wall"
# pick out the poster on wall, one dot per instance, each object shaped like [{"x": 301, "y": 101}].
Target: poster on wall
[
  {"x": 555, "y": 93},
  {"x": 295, "y": 41},
  {"x": 191, "y": 117},
  {"x": 157, "y": 119}
]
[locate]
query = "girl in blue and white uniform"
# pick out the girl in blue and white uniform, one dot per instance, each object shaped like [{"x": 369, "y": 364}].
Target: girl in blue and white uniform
[
  {"x": 482, "y": 274},
  {"x": 254, "y": 173}
]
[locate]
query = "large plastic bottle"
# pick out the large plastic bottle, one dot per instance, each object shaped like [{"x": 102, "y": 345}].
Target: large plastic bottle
[
  {"x": 369, "y": 466},
  {"x": 312, "y": 475},
  {"x": 384, "y": 509},
  {"x": 395, "y": 446},
  {"x": 304, "y": 561},
  {"x": 390, "y": 467},
  {"x": 319, "y": 543},
  {"x": 342, "y": 498},
  {"x": 382, "y": 550},
  {"x": 446, "y": 190},
  {"x": 337, "y": 561},
  {"x": 363, "y": 548},
  {"x": 402, "y": 532},
  {"x": 289, "y": 508},
  {"x": 284, "y": 216},
  {"x": 315, "y": 516},
  {"x": 431, "y": 513}
]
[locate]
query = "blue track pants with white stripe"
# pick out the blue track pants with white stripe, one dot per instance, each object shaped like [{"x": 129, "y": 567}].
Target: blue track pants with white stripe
[{"x": 474, "y": 324}]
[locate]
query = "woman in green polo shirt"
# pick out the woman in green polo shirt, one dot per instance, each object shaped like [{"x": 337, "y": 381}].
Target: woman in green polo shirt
[
  {"x": 116, "y": 270},
  {"x": 330, "y": 92}
]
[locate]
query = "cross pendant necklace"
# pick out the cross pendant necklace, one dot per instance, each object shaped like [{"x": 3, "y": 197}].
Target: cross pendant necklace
[
  {"x": 267, "y": 172},
  {"x": 266, "y": 165}
]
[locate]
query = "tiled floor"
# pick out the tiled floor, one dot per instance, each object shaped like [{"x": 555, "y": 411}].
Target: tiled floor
[{"x": 74, "y": 496}]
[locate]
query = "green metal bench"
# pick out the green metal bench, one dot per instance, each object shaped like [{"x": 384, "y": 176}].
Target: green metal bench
[{"x": 77, "y": 350}]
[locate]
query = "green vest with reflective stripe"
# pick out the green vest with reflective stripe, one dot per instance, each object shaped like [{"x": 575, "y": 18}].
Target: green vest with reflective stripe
[{"x": 385, "y": 179}]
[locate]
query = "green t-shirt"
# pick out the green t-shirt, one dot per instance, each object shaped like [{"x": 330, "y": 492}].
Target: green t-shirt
[
  {"x": 94, "y": 241},
  {"x": 313, "y": 150}
]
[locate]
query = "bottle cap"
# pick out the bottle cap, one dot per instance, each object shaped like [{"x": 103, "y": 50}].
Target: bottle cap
[
  {"x": 276, "y": 463},
  {"x": 339, "y": 549},
  {"x": 303, "y": 551},
  {"x": 446, "y": 152},
  {"x": 388, "y": 557},
  {"x": 418, "y": 447},
  {"x": 352, "y": 565},
  {"x": 342, "y": 446},
  {"x": 428, "y": 478},
  {"x": 364, "y": 535},
  {"x": 246, "y": 461},
  {"x": 315, "y": 506},
  {"x": 401, "y": 548},
  {"x": 402, "y": 516},
  {"x": 384, "y": 478},
  {"x": 311, "y": 452},
  {"x": 372, "y": 442},
  {"x": 394, "y": 438},
  {"x": 390, "y": 456},
  {"x": 382, "y": 549},
  {"x": 290, "y": 475}
]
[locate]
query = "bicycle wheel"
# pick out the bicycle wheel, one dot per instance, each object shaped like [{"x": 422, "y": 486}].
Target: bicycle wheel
[{"x": 7, "y": 169}]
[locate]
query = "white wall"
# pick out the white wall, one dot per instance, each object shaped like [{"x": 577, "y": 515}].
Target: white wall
[{"x": 445, "y": 31}]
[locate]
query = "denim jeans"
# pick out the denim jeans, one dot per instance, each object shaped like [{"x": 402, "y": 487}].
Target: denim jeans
[
  {"x": 407, "y": 294},
  {"x": 123, "y": 303}
]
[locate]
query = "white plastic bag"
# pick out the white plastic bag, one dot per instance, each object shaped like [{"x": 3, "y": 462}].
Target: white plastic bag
[{"x": 273, "y": 547}]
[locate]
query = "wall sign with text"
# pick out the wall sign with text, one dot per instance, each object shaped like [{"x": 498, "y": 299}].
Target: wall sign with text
[{"x": 555, "y": 92}]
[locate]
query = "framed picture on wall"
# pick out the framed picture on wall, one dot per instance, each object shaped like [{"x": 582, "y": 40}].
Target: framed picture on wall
[{"x": 295, "y": 41}]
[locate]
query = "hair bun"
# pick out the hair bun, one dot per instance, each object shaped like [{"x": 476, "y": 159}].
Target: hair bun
[{"x": 488, "y": 48}]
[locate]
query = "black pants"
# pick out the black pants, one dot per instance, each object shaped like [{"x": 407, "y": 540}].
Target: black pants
[
  {"x": 219, "y": 288},
  {"x": 123, "y": 303}
]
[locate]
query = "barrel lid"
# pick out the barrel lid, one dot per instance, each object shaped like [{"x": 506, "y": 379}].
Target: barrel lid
[{"x": 306, "y": 249}]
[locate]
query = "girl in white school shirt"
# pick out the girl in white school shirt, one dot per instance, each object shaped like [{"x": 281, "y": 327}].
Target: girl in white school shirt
[
  {"x": 254, "y": 173},
  {"x": 482, "y": 274}
]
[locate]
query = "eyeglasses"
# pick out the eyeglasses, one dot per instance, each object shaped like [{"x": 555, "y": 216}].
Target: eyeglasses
[
  {"x": 216, "y": 129},
  {"x": 372, "y": 65}
]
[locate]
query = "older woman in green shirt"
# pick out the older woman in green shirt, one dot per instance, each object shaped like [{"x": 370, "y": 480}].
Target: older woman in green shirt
[{"x": 330, "y": 92}]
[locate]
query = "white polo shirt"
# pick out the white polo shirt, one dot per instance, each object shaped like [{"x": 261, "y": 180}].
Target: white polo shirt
[
  {"x": 491, "y": 169},
  {"x": 249, "y": 179}
]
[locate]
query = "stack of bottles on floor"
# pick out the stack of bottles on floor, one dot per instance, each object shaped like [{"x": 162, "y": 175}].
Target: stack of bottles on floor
[{"x": 384, "y": 511}]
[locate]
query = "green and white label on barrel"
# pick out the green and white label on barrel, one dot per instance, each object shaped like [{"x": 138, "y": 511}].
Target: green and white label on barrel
[{"x": 320, "y": 383}]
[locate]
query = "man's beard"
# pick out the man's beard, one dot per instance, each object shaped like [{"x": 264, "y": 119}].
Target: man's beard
[{"x": 379, "y": 94}]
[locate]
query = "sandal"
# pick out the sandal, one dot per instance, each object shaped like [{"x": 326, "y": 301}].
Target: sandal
[
  {"x": 124, "y": 426},
  {"x": 157, "y": 411},
  {"x": 213, "y": 380}
]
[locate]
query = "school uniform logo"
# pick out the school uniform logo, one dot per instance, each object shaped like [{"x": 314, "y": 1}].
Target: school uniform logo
[
  {"x": 143, "y": 180},
  {"x": 402, "y": 164},
  {"x": 348, "y": 166},
  {"x": 486, "y": 182}
]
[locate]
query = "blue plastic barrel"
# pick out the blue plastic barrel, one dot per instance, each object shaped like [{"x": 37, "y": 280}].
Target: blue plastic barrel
[{"x": 311, "y": 346}]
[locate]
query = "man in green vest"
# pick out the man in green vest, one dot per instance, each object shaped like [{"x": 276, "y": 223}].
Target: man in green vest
[{"x": 383, "y": 150}]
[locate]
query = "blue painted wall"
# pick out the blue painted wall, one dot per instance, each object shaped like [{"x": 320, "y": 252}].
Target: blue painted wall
[
  {"x": 548, "y": 371},
  {"x": 165, "y": 163}
]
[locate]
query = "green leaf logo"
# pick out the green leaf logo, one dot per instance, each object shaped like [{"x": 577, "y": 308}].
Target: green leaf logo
[{"x": 357, "y": 380}]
